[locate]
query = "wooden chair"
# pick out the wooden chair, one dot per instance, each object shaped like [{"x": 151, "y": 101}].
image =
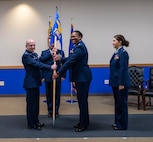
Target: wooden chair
[
  {"x": 136, "y": 79},
  {"x": 148, "y": 90}
]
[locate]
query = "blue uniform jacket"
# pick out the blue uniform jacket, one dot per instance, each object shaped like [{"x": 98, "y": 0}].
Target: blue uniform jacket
[
  {"x": 32, "y": 67},
  {"x": 119, "y": 74},
  {"x": 78, "y": 64},
  {"x": 47, "y": 74}
]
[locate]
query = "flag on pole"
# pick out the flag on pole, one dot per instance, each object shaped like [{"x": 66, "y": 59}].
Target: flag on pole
[
  {"x": 56, "y": 30},
  {"x": 73, "y": 87},
  {"x": 70, "y": 43},
  {"x": 49, "y": 30},
  {"x": 50, "y": 26}
]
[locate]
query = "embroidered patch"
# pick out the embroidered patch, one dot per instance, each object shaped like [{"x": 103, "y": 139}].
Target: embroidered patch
[{"x": 116, "y": 57}]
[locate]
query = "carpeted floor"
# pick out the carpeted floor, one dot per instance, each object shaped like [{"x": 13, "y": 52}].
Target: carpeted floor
[{"x": 14, "y": 126}]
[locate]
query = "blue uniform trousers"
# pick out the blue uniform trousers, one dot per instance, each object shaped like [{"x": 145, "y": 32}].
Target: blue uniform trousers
[
  {"x": 121, "y": 107},
  {"x": 32, "y": 100},
  {"x": 82, "y": 96}
]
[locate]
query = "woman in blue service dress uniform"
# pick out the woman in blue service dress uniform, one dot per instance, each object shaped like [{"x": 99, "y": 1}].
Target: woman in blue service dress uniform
[{"x": 120, "y": 81}]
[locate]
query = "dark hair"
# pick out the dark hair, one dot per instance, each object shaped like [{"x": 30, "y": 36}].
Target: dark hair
[
  {"x": 121, "y": 38},
  {"x": 79, "y": 33}
]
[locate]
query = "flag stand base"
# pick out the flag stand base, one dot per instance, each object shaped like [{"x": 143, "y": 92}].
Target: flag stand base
[{"x": 71, "y": 101}]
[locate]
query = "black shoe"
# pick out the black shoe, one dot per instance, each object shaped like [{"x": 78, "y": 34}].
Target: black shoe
[
  {"x": 114, "y": 125},
  {"x": 76, "y": 126},
  {"x": 49, "y": 114},
  {"x": 35, "y": 127},
  {"x": 80, "y": 129},
  {"x": 57, "y": 114},
  {"x": 41, "y": 124},
  {"x": 116, "y": 128}
]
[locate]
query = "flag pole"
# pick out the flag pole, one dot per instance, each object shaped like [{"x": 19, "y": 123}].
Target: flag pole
[
  {"x": 71, "y": 101},
  {"x": 54, "y": 86},
  {"x": 72, "y": 89},
  {"x": 57, "y": 34},
  {"x": 71, "y": 93},
  {"x": 54, "y": 83},
  {"x": 71, "y": 83},
  {"x": 54, "y": 80}
]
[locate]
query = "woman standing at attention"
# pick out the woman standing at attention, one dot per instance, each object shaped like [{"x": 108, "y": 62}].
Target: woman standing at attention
[{"x": 120, "y": 81}]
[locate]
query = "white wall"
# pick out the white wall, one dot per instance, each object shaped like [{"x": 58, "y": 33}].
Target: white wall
[{"x": 98, "y": 20}]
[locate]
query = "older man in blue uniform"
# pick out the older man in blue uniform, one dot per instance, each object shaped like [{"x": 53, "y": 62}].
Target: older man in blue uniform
[{"x": 32, "y": 82}]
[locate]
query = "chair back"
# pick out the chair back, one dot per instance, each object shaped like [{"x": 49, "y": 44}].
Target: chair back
[
  {"x": 136, "y": 76},
  {"x": 151, "y": 79}
]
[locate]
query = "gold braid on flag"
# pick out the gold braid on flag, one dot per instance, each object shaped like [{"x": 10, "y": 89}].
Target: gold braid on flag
[
  {"x": 59, "y": 27},
  {"x": 50, "y": 28}
]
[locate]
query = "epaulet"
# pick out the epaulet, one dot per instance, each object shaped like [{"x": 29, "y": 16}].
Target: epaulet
[
  {"x": 124, "y": 50},
  {"x": 27, "y": 53}
]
